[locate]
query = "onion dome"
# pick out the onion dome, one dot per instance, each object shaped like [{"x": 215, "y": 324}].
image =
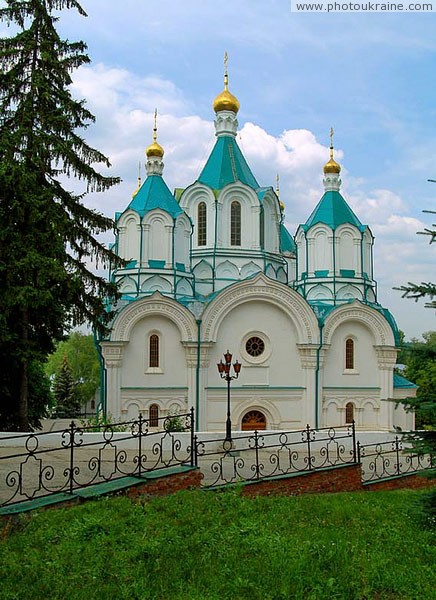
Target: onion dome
[
  {"x": 155, "y": 149},
  {"x": 226, "y": 100},
  {"x": 331, "y": 166}
]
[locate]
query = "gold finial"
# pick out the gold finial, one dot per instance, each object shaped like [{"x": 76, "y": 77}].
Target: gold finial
[
  {"x": 226, "y": 100},
  {"x": 282, "y": 205},
  {"x": 155, "y": 126},
  {"x": 226, "y": 75},
  {"x": 332, "y": 166},
  {"x": 139, "y": 180},
  {"x": 155, "y": 149}
]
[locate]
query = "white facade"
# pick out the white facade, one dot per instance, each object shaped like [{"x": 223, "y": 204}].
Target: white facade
[{"x": 212, "y": 268}]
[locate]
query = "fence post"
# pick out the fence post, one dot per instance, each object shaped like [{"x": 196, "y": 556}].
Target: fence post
[
  {"x": 193, "y": 442},
  {"x": 358, "y": 452},
  {"x": 195, "y": 456},
  {"x": 397, "y": 452},
  {"x": 71, "y": 470},
  {"x": 309, "y": 456},
  {"x": 256, "y": 448},
  {"x": 354, "y": 441},
  {"x": 140, "y": 421}
]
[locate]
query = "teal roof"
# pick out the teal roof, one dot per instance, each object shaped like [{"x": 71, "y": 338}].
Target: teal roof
[
  {"x": 287, "y": 243},
  {"x": 402, "y": 382},
  {"x": 226, "y": 164},
  {"x": 154, "y": 193},
  {"x": 333, "y": 210}
]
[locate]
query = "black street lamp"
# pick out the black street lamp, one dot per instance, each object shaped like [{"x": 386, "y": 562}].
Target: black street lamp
[{"x": 224, "y": 369}]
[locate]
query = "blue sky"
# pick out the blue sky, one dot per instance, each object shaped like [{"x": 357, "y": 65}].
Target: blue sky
[{"x": 370, "y": 76}]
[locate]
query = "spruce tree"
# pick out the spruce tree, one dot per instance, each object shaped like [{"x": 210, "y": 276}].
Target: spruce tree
[
  {"x": 424, "y": 440},
  {"x": 47, "y": 234},
  {"x": 64, "y": 391}
]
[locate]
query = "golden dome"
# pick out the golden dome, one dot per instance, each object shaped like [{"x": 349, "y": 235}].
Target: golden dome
[
  {"x": 155, "y": 149},
  {"x": 331, "y": 166},
  {"x": 282, "y": 206},
  {"x": 226, "y": 101}
]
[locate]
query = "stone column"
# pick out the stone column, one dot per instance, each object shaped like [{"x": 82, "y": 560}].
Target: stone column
[
  {"x": 113, "y": 361},
  {"x": 191, "y": 352},
  {"x": 308, "y": 358},
  {"x": 386, "y": 359}
]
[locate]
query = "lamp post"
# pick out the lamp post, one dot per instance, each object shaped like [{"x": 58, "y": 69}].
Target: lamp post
[{"x": 224, "y": 369}]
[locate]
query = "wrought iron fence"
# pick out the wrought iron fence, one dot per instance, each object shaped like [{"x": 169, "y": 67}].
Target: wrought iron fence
[
  {"x": 42, "y": 464},
  {"x": 391, "y": 459},
  {"x": 259, "y": 455}
]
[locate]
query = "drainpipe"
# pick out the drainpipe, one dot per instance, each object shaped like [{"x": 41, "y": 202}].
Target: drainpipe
[
  {"x": 318, "y": 352},
  {"x": 197, "y": 378},
  {"x": 334, "y": 268},
  {"x": 140, "y": 261},
  {"x": 103, "y": 378},
  {"x": 173, "y": 257},
  {"x": 214, "y": 244}
]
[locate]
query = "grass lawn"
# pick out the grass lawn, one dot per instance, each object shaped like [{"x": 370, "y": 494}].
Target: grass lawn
[{"x": 220, "y": 545}]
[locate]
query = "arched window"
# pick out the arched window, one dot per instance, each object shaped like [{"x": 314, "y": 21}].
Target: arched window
[
  {"x": 235, "y": 224},
  {"x": 349, "y": 412},
  {"x": 349, "y": 354},
  {"x": 201, "y": 224},
  {"x": 262, "y": 228},
  {"x": 252, "y": 420},
  {"x": 153, "y": 415},
  {"x": 153, "y": 356}
]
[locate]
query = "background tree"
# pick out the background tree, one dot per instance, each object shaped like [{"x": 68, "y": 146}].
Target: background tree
[
  {"x": 64, "y": 391},
  {"x": 84, "y": 363},
  {"x": 419, "y": 359},
  {"x": 424, "y": 440},
  {"x": 47, "y": 236}
]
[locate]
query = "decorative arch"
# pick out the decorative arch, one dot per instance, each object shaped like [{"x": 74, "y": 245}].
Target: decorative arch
[
  {"x": 156, "y": 284},
  {"x": 227, "y": 270},
  {"x": 320, "y": 292},
  {"x": 270, "y": 272},
  {"x": 127, "y": 285},
  {"x": 154, "y": 305},
  {"x": 349, "y": 292},
  {"x": 249, "y": 269},
  {"x": 364, "y": 314},
  {"x": 265, "y": 406},
  {"x": 203, "y": 270},
  {"x": 266, "y": 290}
]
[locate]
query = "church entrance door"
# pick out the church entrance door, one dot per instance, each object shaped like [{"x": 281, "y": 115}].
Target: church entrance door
[{"x": 252, "y": 420}]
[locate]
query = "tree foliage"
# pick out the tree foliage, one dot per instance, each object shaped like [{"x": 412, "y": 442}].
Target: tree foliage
[
  {"x": 424, "y": 440},
  {"x": 423, "y": 289},
  {"x": 48, "y": 236},
  {"x": 84, "y": 363},
  {"x": 65, "y": 391},
  {"x": 420, "y": 367}
]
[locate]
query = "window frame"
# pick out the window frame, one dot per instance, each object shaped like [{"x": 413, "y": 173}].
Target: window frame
[
  {"x": 235, "y": 223},
  {"x": 202, "y": 224}
]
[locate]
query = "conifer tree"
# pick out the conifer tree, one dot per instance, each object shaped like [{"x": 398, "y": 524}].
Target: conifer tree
[
  {"x": 64, "y": 391},
  {"x": 47, "y": 234},
  {"x": 424, "y": 440}
]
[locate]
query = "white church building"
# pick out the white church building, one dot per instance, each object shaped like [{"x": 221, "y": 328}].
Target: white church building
[{"x": 212, "y": 268}]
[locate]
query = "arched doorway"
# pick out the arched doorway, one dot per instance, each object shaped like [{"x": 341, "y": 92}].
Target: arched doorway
[{"x": 252, "y": 420}]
